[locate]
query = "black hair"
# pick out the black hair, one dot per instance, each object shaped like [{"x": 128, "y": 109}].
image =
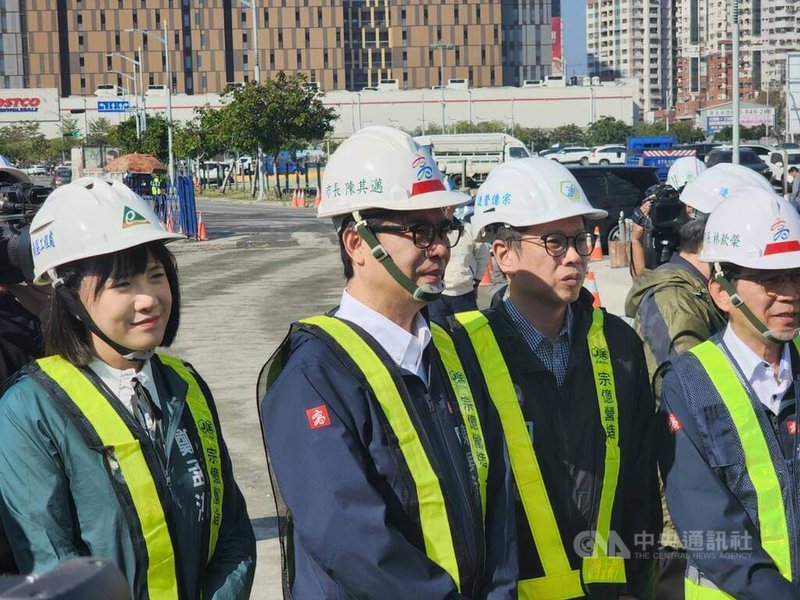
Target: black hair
[
  {"x": 66, "y": 335},
  {"x": 691, "y": 235},
  {"x": 374, "y": 218}
]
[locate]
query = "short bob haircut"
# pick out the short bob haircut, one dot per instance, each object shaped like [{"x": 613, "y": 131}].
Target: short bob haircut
[{"x": 66, "y": 335}]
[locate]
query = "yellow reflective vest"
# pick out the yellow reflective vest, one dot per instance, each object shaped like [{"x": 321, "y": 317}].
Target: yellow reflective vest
[
  {"x": 773, "y": 529},
  {"x": 141, "y": 485},
  {"x": 560, "y": 581}
]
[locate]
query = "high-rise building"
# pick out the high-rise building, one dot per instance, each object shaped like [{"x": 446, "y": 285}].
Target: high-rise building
[
  {"x": 631, "y": 39},
  {"x": 769, "y": 31},
  {"x": 13, "y": 45},
  {"x": 341, "y": 44}
]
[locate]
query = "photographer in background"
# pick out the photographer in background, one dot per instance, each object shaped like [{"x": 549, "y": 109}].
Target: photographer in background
[
  {"x": 654, "y": 237},
  {"x": 20, "y": 303}
]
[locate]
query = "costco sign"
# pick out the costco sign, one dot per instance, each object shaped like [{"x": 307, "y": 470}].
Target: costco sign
[{"x": 29, "y": 105}]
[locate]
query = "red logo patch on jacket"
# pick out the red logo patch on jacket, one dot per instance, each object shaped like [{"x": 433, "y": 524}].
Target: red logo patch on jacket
[
  {"x": 791, "y": 427},
  {"x": 318, "y": 417},
  {"x": 673, "y": 424}
]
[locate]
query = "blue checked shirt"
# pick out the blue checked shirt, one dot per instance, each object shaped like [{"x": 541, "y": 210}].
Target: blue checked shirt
[{"x": 553, "y": 354}]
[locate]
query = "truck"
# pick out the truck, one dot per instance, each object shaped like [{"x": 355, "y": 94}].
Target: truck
[
  {"x": 655, "y": 151},
  {"x": 467, "y": 158}
]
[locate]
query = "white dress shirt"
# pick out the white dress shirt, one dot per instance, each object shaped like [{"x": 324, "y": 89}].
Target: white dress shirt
[
  {"x": 405, "y": 349},
  {"x": 759, "y": 372},
  {"x": 120, "y": 382}
]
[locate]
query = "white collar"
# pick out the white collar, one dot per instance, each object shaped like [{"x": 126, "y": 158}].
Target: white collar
[
  {"x": 758, "y": 372},
  {"x": 405, "y": 349},
  {"x": 119, "y": 381}
]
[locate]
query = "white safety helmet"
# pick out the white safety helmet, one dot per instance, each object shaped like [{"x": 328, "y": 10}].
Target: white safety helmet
[
  {"x": 684, "y": 170},
  {"x": 753, "y": 228},
  {"x": 90, "y": 217},
  {"x": 383, "y": 167},
  {"x": 530, "y": 191},
  {"x": 718, "y": 183}
]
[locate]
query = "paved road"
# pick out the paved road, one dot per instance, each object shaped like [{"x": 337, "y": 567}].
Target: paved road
[{"x": 264, "y": 267}]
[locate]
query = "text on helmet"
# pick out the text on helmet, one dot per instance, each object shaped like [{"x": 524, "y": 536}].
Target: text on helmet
[
  {"x": 493, "y": 199},
  {"x": 353, "y": 188},
  {"x": 43, "y": 242}
]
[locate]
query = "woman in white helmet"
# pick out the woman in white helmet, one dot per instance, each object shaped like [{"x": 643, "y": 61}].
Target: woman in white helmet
[
  {"x": 110, "y": 449},
  {"x": 730, "y": 442}
]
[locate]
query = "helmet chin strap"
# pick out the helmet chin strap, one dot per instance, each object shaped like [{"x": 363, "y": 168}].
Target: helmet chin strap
[
  {"x": 420, "y": 293},
  {"x": 737, "y": 302},
  {"x": 79, "y": 311}
]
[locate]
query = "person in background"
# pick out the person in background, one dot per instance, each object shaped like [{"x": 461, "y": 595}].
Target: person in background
[
  {"x": 468, "y": 261},
  {"x": 794, "y": 198}
]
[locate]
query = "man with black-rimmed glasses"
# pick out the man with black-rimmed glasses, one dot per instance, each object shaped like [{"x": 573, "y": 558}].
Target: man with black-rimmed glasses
[{"x": 570, "y": 385}]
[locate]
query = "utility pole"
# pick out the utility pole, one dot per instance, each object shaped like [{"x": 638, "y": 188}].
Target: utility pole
[
  {"x": 251, "y": 4},
  {"x": 442, "y": 46}
]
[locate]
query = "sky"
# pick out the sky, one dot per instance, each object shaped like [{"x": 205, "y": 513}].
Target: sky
[{"x": 573, "y": 13}]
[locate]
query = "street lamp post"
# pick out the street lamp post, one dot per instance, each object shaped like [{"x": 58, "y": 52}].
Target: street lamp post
[
  {"x": 136, "y": 64},
  {"x": 469, "y": 108},
  {"x": 165, "y": 42},
  {"x": 257, "y": 79},
  {"x": 131, "y": 77},
  {"x": 735, "y": 136},
  {"x": 442, "y": 46}
]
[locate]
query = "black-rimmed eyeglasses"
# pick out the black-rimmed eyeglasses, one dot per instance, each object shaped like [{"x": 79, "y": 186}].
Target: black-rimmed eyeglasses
[
  {"x": 556, "y": 244},
  {"x": 424, "y": 234}
]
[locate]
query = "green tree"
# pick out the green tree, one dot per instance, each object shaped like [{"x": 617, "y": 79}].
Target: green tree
[
  {"x": 203, "y": 137},
  {"x": 607, "y": 130},
  {"x": 657, "y": 128},
  {"x": 282, "y": 113},
  {"x": 534, "y": 137},
  {"x": 99, "y": 130},
  {"x": 23, "y": 143},
  {"x": 687, "y": 132},
  {"x": 152, "y": 141},
  {"x": 567, "y": 134}
]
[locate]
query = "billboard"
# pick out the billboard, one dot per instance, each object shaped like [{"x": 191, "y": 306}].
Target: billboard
[
  {"x": 717, "y": 119},
  {"x": 29, "y": 104},
  {"x": 793, "y": 91},
  {"x": 555, "y": 40}
]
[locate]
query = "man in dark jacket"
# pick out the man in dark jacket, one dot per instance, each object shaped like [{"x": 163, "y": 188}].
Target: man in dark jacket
[
  {"x": 389, "y": 467},
  {"x": 571, "y": 388},
  {"x": 729, "y": 436}
]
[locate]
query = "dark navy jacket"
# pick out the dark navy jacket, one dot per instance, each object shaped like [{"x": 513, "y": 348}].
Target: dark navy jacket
[
  {"x": 707, "y": 485},
  {"x": 353, "y": 505}
]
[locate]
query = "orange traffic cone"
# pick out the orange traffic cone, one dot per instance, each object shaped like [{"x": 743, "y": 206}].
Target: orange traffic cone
[
  {"x": 318, "y": 199},
  {"x": 487, "y": 274},
  {"x": 597, "y": 251},
  {"x": 294, "y": 199},
  {"x": 170, "y": 225},
  {"x": 591, "y": 285},
  {"x": 302, "y": 199},
  {"x": 202, "y": 234}
]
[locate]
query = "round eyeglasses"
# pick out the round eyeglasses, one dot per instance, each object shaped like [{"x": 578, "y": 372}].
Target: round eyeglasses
[
  {"x": 556, "y": 244},
  {"x": 424, "y": 234}
]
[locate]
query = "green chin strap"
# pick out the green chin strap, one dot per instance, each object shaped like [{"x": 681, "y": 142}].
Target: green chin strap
[
  {"x": 427, "y": 293},
  {"x": 737, "y": 302}
]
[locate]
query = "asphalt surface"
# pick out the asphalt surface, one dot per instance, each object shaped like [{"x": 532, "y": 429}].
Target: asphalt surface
[{"x": 264, "y": 267}]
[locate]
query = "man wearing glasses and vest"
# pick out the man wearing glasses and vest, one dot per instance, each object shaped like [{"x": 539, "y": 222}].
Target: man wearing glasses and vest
[
  {"x": 389, "y": 471},
  {"x": 730, "y": 440},
  {"x": 570, "y": 385}
]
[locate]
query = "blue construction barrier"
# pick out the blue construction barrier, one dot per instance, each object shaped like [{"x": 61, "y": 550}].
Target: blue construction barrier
[{"x": 179, "y": 208}]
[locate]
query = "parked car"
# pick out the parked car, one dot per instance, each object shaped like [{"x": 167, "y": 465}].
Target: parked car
[
  {"x": 571, "y": 155},
  {"x": 61, "y": 176},
  {"x": 37, "y": 171},
  {"x": 610, "y": 154},
  {"x": 747, "y": 158},
  {"x": 548, "y": 151},
  {"x": 776, "y": 164},
  {"x": 762, "y": 151},
  {"x": 614, "y": 188},
  {"x": 702, "y": 148}
]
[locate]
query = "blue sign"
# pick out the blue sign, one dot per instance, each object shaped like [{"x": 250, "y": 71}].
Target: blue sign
[{"x": 112, "y": 106}]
